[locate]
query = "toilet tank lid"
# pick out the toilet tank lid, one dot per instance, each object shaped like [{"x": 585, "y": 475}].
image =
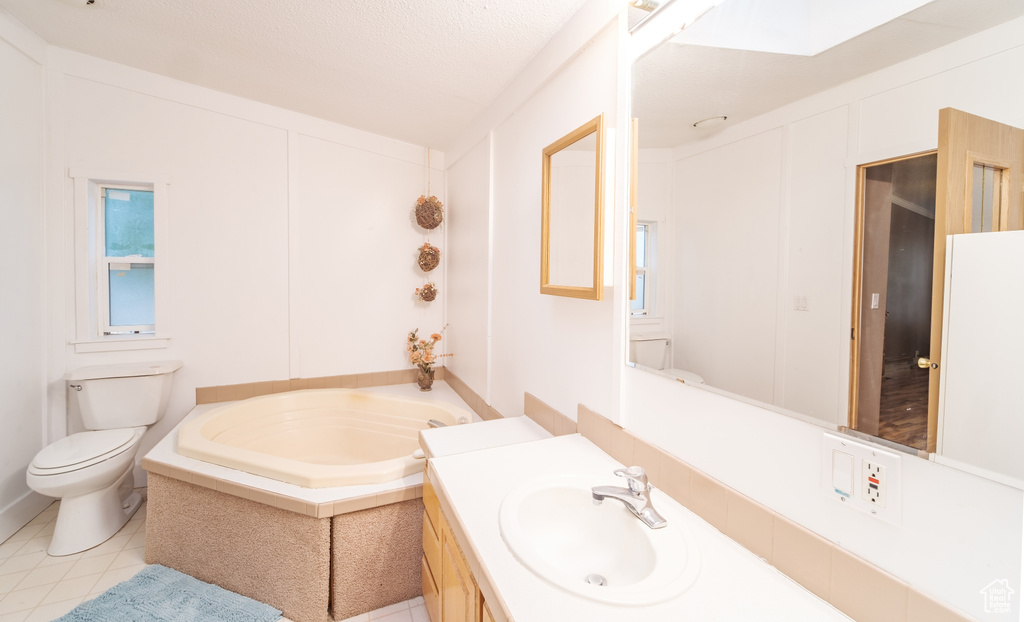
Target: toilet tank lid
[{"x": 123, "y": 370}]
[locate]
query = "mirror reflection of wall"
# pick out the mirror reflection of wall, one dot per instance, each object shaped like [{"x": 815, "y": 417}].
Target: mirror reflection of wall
[
  {"x": 756, "y": 214},
  {"x": 572, "y": 189}
]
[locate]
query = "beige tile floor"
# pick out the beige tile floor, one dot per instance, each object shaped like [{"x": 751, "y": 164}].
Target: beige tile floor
[{"x": 35, "y": 587}]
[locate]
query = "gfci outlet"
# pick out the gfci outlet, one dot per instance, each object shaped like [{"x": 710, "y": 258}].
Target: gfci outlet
[
  {"x": 862, "y": 476},
  {"x": 874, "y": 483}
]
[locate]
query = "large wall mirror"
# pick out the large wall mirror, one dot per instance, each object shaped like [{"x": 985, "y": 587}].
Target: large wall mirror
[
  {"x": 752, "y": 167},
  {"x": 572, "y": 213}
]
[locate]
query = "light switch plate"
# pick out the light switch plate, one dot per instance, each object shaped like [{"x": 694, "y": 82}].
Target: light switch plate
[{"x": 844, "y": 459}]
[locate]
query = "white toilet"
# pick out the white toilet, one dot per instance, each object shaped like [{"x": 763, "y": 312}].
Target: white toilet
[
  {"x": 91, "y": 471},
  {"x": 651, "y": 350}
]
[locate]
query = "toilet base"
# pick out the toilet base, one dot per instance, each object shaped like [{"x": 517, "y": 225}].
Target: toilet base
[{"x": 91, "y": 519}]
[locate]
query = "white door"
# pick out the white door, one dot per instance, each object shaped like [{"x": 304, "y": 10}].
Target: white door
[{"x": 981, "y": 395}]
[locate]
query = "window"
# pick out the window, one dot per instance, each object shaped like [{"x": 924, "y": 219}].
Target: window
[
  {"x": 120, "y": 263},
  {"x": 126, "y": 261},
  {"x": 645, "y": 248}
]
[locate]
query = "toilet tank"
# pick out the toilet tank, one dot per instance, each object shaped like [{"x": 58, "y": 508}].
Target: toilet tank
[
  {"x": 122, "y": 396},
  {"x": 649, "y": 349}
]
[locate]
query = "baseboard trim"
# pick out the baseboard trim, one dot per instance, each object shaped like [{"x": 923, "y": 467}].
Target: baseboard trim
[{"x": 18, "y": 514}]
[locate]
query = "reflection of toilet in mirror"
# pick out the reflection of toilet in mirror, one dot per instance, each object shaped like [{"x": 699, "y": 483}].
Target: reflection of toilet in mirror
[{"x": 651, "y": 350}]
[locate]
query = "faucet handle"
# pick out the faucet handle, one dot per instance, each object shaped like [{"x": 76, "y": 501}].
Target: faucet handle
[{"x": 636, "y": 477}]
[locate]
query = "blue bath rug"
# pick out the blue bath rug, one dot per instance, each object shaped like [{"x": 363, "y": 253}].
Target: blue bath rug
[{"x": 159, "y": 594}]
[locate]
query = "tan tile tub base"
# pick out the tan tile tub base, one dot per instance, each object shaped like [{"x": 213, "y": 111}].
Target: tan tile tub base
[
  {"x": 283, "y": 558},
  {"x": 376, "y": 557},
  {"x": 274, "y": 556}
]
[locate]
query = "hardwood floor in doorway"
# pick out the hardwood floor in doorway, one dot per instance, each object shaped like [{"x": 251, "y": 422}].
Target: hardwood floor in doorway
[{"x": 903, "y": 411}]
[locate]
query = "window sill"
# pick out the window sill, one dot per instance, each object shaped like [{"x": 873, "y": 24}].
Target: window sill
[{"x": 114, "y": 344}]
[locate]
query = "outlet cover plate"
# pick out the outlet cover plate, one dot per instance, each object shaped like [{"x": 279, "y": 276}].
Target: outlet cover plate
[{"x": 863, "y": 453}]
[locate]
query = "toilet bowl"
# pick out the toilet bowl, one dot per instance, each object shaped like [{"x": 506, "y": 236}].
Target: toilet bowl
[
  {"x": 86, "y": 471},
  {"x": 92, "y": 472}
]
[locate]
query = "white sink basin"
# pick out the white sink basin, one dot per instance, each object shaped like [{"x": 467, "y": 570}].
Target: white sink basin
[{"x": 552, "y": 526}]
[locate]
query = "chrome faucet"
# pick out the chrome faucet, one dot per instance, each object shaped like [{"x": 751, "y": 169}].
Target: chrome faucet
[{"x": 636, "y": 497}]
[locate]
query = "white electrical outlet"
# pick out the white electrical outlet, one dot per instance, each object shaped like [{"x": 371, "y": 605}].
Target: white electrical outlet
[
  {"x": 873, "y": 475},
  {"x": 862, "y": 476}
]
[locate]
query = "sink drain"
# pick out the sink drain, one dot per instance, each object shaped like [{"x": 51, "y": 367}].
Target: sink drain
[{"x": 595, "y": 579}]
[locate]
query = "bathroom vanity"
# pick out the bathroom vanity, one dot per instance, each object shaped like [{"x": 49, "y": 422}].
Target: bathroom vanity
[{"x": 508, "y": 528}]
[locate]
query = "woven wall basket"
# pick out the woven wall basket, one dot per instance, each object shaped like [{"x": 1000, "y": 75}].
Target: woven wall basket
[
  {"x": 427, "y": 293},
  {"x": 430, "y": 256},
  {"x": 429, "y": 212}
]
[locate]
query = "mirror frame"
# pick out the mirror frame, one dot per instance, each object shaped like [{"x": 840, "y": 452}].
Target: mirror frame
[{"x": 595, "y": 290}]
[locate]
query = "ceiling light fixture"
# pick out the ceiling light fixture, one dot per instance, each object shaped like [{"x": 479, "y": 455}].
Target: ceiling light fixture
[
  {"x": 645, "y": 5},
  {"x": 711, "y": 121}
]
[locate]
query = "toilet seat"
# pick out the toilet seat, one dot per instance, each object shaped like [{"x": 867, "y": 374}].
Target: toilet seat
[{"x": 82, "y": 450}]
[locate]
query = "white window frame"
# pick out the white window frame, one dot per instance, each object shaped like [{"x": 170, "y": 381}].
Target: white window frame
[
  {"x": 104, "y": 264},
  {"x": 648, "y": 269},
  {"x": 92, "y": 318}
]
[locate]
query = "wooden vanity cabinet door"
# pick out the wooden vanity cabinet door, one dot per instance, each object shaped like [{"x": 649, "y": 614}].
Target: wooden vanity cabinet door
[{"x": 459, "y": 595}]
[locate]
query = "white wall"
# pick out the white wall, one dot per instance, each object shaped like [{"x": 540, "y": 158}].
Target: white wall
[
  {"x": 292, "y": 246},
  {"x": 554, "y": 347},
  {"x": 468, "y": 215},
  {"x": 23, "y": 310},
  {"x": 949, "y": 546}
]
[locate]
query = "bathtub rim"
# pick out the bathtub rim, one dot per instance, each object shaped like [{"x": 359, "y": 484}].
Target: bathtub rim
[{"x": 194, "y": 442}]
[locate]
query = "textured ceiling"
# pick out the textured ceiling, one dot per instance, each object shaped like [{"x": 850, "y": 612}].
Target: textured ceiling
[
  {"x": 415, "y": 70},
  {"x": 676, "y": 84}
]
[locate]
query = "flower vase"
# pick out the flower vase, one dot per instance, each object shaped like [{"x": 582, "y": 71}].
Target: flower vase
[{"x": 426, "y": 379}]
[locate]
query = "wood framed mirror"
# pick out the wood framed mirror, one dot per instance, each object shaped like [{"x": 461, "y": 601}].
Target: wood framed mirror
[{"x": 572, "y": 214}]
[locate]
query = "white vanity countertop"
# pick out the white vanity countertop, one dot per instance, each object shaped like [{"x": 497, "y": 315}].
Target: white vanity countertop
[
  {"x": 166, "y": 452},
  {"x": 438, "y": 442},
  {"x": 733, "y": 586}
]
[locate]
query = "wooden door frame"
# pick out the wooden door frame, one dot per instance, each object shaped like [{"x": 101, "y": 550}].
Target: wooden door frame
[{"x": 858, "y": 269}]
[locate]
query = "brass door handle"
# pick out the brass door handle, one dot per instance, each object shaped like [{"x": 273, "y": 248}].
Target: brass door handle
[{"x": 924, "y": 363}]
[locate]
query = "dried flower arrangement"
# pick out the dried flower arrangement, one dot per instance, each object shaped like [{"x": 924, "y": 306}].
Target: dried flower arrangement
[
  {"x": 430, "y": 256},
  {"x": 427, "y": 293},
  {"x": 429, "y": 212},
  {"x": 421, "y": 354}
]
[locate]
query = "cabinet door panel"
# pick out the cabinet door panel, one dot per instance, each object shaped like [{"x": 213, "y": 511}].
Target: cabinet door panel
[{"x": 458, "y": 591}]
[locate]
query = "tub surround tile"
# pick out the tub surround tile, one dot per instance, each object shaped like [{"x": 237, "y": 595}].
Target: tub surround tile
[
  {"x": 350, "y": 381},
  {"x": 803, "y": 555},
  {"x": 226, "y": 393},
  {"x": 316, "y": 383},
  {"x": 364, "y": 380},
  {"x": 245, "y": 391},
  {"x": 751, "y": 524},
  {"x": 263, "y": 388},
  {"x": 298, "y": 384},
  {"x": 380, "y": 379},
  {"x": 280, "y": 386},
  {"x": 404, "y": 494},
  {"x": 206, "y": 395},
  {"x": 853, "y": 580},
  {"x": 354, "y": 504},
  {"x": 476, "y": 403},
  {"x": 205, "y": 481}
]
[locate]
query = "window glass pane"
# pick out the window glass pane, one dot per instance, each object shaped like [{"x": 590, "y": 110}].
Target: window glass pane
[
  {"x": 128, "y": 222},
  {"x": 638, "y": 304},
  {"x": 131, "y": 296},
  {"x": 641, "y": 245}
]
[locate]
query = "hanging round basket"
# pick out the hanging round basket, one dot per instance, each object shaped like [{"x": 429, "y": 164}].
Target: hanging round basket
[
  {"x": 430, "y": 256},
  {"x": 427, "y": 293},
  {"x": 429, "y": 212}
]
